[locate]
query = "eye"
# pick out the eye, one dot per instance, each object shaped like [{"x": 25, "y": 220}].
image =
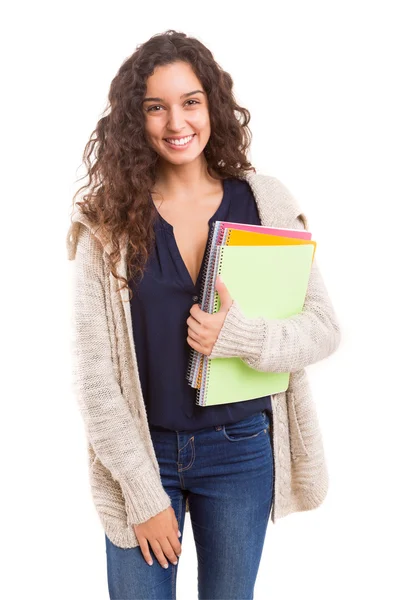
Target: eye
[{"x": 150, "y": 109}]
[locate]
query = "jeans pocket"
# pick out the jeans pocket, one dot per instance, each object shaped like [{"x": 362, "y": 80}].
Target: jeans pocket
[{"x": 247, "y": 428}]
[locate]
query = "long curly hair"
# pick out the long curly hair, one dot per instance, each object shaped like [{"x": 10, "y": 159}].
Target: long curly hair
[{"x": 121, "y": 165}]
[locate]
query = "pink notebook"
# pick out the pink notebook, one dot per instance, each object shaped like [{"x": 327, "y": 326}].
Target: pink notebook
[{"x": 300, "y": 234}]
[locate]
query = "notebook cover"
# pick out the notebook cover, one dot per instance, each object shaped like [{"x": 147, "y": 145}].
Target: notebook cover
[
  {"x": 266, "y": 281},
  {"x": 235, "y": 237}
]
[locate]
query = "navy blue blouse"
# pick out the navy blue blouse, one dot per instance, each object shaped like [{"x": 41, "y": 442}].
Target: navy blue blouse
[{"x": 160, "y": 308}]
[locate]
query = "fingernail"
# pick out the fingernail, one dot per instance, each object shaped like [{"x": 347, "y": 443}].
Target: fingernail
[
  {"x": 179, "y": 534},
  {"x": 150, "y": 562},
  {"x": 165, "y": 566}
]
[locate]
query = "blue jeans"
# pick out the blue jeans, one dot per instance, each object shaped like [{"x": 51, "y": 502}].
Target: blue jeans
[{"x": 227, "y": 472}]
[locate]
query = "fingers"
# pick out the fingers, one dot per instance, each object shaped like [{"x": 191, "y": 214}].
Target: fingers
[
  {"x": 176, "y": 525},
  {"x": 178, "y": 535},
  {"x": 194, "y": 325},
  {"x": 161, "y": 532},
  {"x": 198, "y": 314},
  {"x": 194, "y": 336},
  {"x": 163, "y": 550},
  {"x": 144, "y": 546},
  {"x": 175, "y": 545}
]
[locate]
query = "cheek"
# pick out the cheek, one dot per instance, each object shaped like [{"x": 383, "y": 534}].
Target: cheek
[
  {"x": 154, "y": 124},
  {"x": 152, "y": 127},
  {"x": 201, "y": 121}
]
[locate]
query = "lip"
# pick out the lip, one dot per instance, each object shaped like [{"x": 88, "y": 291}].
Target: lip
[{"x": 181, "y": 147}]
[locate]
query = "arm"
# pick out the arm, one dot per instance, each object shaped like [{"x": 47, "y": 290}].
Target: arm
[
  {"x": 110, "y": 427},
  {"x": 283, "y": 345}
]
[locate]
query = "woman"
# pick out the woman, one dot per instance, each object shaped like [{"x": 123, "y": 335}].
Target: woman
[{"x": 171, "y": 159}]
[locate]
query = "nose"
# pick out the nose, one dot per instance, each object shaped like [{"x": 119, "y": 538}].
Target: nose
[{"x": 176, "y": 121}]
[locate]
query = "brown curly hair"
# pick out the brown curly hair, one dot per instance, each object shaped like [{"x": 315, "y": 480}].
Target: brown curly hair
[{"x": 123, "y": 167}]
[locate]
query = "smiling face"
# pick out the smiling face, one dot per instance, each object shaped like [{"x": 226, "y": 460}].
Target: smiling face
[{"x": 177, "y": 121}]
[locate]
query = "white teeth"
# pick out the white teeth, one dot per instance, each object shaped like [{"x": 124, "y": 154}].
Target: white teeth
[{"x": 181, "y": 142}]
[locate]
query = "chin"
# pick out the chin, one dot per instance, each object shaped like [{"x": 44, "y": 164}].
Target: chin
[{"x": 180, "y": 157}]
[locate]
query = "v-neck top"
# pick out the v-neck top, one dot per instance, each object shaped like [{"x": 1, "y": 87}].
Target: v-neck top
[{"x": 160, "y": 308}]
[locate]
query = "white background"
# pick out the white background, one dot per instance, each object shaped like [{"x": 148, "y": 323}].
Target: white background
[{"x": 321, "y": 82}]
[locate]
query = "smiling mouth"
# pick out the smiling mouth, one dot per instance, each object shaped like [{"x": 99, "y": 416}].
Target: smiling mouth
[{"x": 181, "y": 143}]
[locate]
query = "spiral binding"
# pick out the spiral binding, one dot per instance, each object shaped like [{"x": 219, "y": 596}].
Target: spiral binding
[
  {"x": 203, "y": 390},
  {"x": 193, "y": 352},
  {"x": 198, "y": 367},
  {"x": 192, "y": 373},
  {"x": 224, "y": 240}
]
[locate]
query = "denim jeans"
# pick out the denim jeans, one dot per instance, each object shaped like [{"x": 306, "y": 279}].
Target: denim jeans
[{"x": 227, "y": 473}]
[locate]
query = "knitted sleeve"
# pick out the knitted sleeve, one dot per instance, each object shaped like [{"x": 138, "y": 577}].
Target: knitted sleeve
[
  {"x": 110, "y": 426},
  {"x": 283, "y": 345}
]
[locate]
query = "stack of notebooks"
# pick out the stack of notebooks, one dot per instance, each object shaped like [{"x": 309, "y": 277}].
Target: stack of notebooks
[{"x": 266, "y": 271}]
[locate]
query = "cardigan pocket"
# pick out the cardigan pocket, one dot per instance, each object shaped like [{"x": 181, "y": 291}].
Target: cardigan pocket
[
  {"x": 297, "y": 415},
  {"x": 308, "y": 469}
]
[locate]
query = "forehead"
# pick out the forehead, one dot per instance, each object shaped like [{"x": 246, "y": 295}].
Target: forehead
[{"x": 172, "y": 80}]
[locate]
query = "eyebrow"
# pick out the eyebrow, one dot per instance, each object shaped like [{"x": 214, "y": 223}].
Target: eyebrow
[{"x": 183, "y": 96}]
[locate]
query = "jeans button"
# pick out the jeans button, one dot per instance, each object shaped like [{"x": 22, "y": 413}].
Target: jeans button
[{"x": 195, "y": 298}]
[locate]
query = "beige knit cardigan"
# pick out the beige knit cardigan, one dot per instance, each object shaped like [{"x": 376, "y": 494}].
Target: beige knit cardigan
[{"x": 123, "y": 469}]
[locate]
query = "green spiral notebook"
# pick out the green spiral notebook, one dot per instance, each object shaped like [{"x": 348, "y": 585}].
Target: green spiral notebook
[{"x": 265, "y": 281}]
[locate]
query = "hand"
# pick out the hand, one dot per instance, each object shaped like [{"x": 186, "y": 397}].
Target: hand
[
  {"x": 161, "y": 531},
  {"x": 204, "y": 327}
]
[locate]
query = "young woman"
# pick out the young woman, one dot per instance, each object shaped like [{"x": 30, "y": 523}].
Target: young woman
[{"x": 170, "y": 158}]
